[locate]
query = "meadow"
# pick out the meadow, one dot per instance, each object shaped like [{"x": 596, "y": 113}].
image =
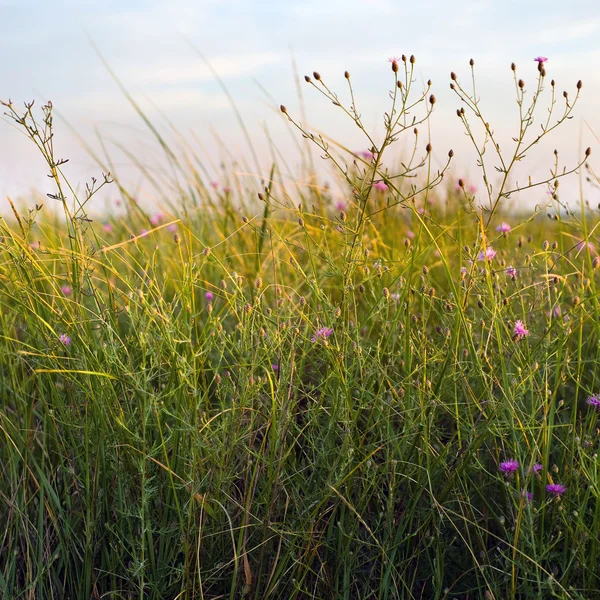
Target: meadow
[{"x": 274, "y": 390}]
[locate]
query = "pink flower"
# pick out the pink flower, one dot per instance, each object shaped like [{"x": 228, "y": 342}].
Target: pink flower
[
  {"x": 365, "y": 154},
  {"x": 64, "y": 339},
  {"x": 594, "y": 402},
  {"x": 537, "y": 467},
  {"x": 540, "y": 59},
  {"x": 527, "y": 496},
  {"x": 583, "y": 245},
  {"x": 487, "y": 254},
  {"x": 321, "y": 334},
  {"x": 227, "y": 189},
  {"x": 172, "y": 227},
  {"x": 209, "y": 296},
  {"x": 214, "y": 185},
  {"x": 556, "y": 489},
  {"x": 380, "y": 186},
  {"x": 275, "y": 368},
  {"x": 520, "y": 331},
  {"x": 156, "y": 219},
  {"x": 340, "y": 205},
  {"x": 503, "y": 228},
  {"x": 471, "y": 188},
  {"x": 410, "y": 234},
  {"x": 107, "y": 227},
  {"x": 66, "y": 290},
  {"x": 511, "y": 272},
  {"x": 508, "y": 467}
]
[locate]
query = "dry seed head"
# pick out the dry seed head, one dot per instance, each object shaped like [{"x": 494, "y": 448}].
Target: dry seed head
[
  {"x": 361, "y": 288},
  {"x": 553, "y": 83},
  {"x": 513, "y": 67},
  {"x": 301, "y": 222},
  {"x": 453, "y": 76},
  {"x": 338, "y": 313},
  {"x": 258, "y": 283},
  {"x": 412, "y": 59},
  {"x": 223, "y": 284},
  {"x": 472, "y": 62},
  {"x": 521, "y": 83},
  {"x": 428, "y": 148},
  {"x": 461, "y": 184},
  {"x": 342, "y": 216},
  {"x": 316, "y": 76},
  {"x": 432, "y": 99},
  {"x": 596, "y": 262},
  {"x": 260, "y": 196},
  {"x": 588, "y": 151},
  {"x": 176, "y": 239},
  {"x": 403, "y": 58},
  {"x": 450, "y": 153},
  {"x": 386, "y": 293},
  {"x": 346, "y": 75},
  {"x": 394, "y": 66},
  {"x": 206, "y": 251},
  {"x": 307, "y": 79},
  {"x": 579, "y": 84},
  {"x": 247, "y": 308},
  {"x": 565, "y": 94},
  {"x": 283, "y": 109}
]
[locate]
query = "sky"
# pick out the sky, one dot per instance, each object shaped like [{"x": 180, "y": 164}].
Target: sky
[{"x": 154, "y": 47}]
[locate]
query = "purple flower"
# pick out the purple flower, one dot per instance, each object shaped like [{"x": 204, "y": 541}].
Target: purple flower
[
  {"x": 503, "y": 228},
  {"x": 209, "y": 296},
  {"x": 172, "y": 227},
  {"x": 321, "y": 334},
  {"x": 556, "y": 489},
  {"x": 537, "y": 468},
  {"x": 365, "y": 154},
  {"x": 156, "y": 219},
  {"x": 540, "y": 59},
  {"x": 107, "y": 227},
  {"x": 508, "y": 467},
  {"x": 511, "y": 272},
  {"x": 340, "y": 205},
  {"x": 64, "y": 339},
  {"x": 527, "y": 496},
  {"x": 520, "y": 331},
  {"x": 583, "y": 245},
  {"x": 380, "y": 186},
  {"x": 66, "y": 290},
  {"x": 594, "y": 402},
  {"x": 275, "y": 368},
  {"x": 487, "y": 254}
]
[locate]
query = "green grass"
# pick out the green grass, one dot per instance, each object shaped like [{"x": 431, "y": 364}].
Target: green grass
[{"x": 185, "y": 445}]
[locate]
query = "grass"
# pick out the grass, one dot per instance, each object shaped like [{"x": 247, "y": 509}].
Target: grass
[{"x": 301, "y": 395}]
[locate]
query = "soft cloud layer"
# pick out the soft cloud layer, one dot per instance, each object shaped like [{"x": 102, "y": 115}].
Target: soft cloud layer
[{"x": 147, "y": 44}]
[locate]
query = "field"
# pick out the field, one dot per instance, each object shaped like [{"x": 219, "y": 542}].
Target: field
[{"x": 267, "y": 389}]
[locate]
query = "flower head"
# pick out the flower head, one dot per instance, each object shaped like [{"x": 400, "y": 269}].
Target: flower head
[
  {"x": 321, "y": 334},
  {"x": 63, "y": 338},
  {"x": 537, "y": 468},
  {"x": 172, "y": 227},
  {"x": 67, "y": 290},
  {"x": 520, "y": 330},
  {"x": 556, "y": 489},
  {"x": 511, "y": 272},
  {"x": 487, "y": 254},
  {"x": 156, "y": 219},
  {"x": 380, "y": 186},
  {"x": 527, "y": 496},
  {"x": 503, "y": 228},
  {"x": 107, "y": 227},
  {"x": 540, "y": 59},
  {"x": 209, "y": 296},
  {"x": 594, "y": 402},
  {"x": 275, "y": 367},
  {"x": 508, "y": 467},
  {"x": 366, "y": 154}
]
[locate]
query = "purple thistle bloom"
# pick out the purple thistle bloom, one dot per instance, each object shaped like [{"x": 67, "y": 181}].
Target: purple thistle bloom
[
  {"x": 540, "y": 59},
  {"x": 64, "y": 339},
  {"x": 594, "y": 402},
  {"x": 511, "y": 272},
  {"x": 66, "y": 290},
  {"x": 487, "y": 254},
  {"x": 380, "y": 186},
  {"x": 275, "y": 368},
  {"x": 365, "y": 154},
  {"x": 503, "y": 228},
  {"x": 520, "y": 331},
  {"x": 527, "y": 496},
  {"x": 508, "y": 467},
  {"x": 321, "y": 334},
  {"x": 537, "y": 468},
  {"x": 556, "y": 489},
  {"x": 209, "y": 296}
]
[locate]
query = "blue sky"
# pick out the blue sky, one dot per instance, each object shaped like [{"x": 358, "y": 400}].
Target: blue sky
[{"x": 45, "y": 54}]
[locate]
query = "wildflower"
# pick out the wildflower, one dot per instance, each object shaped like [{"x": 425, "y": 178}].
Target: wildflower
[
  {"x": 144, "y": 233},
  {"x": 340, "y": 205},
  {"x": 380, "y": 186},
  {"x": 209, "y": 296},
  {"x": 503, "y": 228},
  {"x": 365, "y": 154},
  {"x": 583, "y": 245},
  {"x": 527, "y": 496},
  {"x": 471, "y": 188},
  {"x": 214, "y": 184},
  {"x": 107, "y": 227},
  {"x": 540, "y": 59},
  {"x": 172, "y": 227},
  {"x": 64, "y": 339},
  {"x": 275, "y": 368},
  {"x": 508, "y": 467},
  {"x": 520, "y": 331},
  {"x": 511, "y": 272},
  {"x": 594, "y": 402},
  {"x": 537, "y": 468},
  {"x": 556, "y": 489},
  {"x": 487, "y": 254},
  {"x": 321, "y": 334},
  {"x": 463, "y": 272},
  {"x": 156, "y": 219},
  {"x": 66, "y": 290}
]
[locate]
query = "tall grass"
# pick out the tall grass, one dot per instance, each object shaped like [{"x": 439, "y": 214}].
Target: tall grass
[{"x": 281, "y": 397}]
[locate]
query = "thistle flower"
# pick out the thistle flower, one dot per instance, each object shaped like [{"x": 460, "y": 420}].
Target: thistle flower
[
  {"x": 537, "y": 468},
  {"x": 365, "y": 154},
  {"x": 172, "y": 227},
  {"x": 594, "y": 402},
  {"x": 508, "y": 467},
  {"x": 63, "y": 338},
  {"x": 209, "y": 296},
  {"x": 156, "y": 219},
  {"x": 503, "y": 228},
  {"x": 487, "y": 254},
  {"x": 321, "y": 334},
  {"x": 511, "y": 272},
  {"x": 107, "y": 227},
  {"x": 527, "y": 496},
  {"x": 540, "y": 59},
  {"x": 67, "y": 290},
  {"x": 520, "y": 331},
  {"x": 380, "y": 186},
  {"x": 556, "y": 489}
]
